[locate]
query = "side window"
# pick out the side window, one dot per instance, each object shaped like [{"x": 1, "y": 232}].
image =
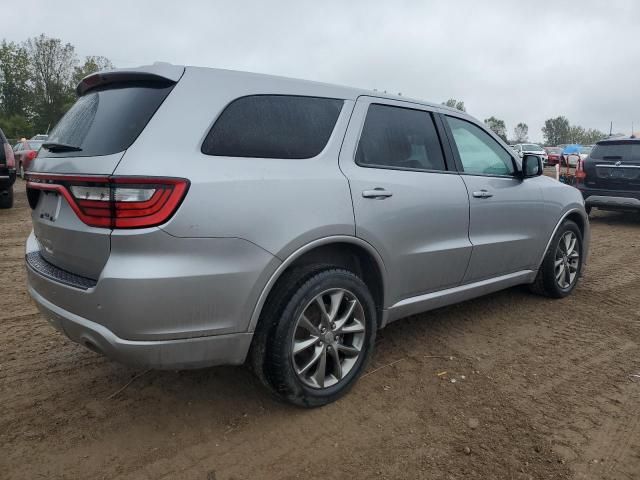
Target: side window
[
  {"x": 273, "y": 126},
  {"x": 479, "y": 152},
  {"x": 395, "y": 137}
]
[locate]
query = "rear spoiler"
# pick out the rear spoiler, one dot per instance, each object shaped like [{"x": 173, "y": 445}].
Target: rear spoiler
[{"x": 160, "y": 73}]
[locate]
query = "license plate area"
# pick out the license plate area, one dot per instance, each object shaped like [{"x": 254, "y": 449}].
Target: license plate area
[{"x": 49, "y": 206}]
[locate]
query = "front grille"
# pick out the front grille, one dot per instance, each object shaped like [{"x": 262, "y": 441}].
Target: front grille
[{"x": 46, "y": 269}]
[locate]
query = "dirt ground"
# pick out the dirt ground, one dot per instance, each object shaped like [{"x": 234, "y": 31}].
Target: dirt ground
[{"x": 534, "y": 388}]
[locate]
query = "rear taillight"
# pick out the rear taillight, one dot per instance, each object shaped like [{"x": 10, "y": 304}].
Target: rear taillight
[
  {"x": 31, "y": 155},
  {"x": 8, "y": 153},
  {"x": 581, "y": 174},
  {"x": 116, "y": 202}
]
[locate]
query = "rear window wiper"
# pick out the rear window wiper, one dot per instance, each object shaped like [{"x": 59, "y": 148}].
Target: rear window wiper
[{"x": 60, "y": 147}]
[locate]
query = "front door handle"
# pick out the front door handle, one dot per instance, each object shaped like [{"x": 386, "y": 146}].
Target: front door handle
[
  {"x": 482, "y": 194},
  {"x": 379, "y": 193}
]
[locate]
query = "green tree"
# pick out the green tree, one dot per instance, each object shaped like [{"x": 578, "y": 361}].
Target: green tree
[
  {"x": 497, "y": 126},
  {"x": 52, "y": 68},
  {"x": 592, "y": 135},
  {"x": 521, "y": 133},
  {"x": 91, "y": 65},
  {"x": 16, "y": 91},
  {"x": 453, "y": 103},
  {"x": 556, "y": 131}
]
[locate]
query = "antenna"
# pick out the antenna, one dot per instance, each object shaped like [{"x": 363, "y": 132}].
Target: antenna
[{"x": 611, "y": 129}]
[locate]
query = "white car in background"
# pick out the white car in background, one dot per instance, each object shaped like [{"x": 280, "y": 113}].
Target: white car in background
[{"x": 531, "y": 149}]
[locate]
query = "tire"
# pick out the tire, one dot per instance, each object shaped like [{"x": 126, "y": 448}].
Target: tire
[
  {"x": 272, "y": 354},
  {"x": 6, "y": 198},
  {"x": 547, "y": 282}
]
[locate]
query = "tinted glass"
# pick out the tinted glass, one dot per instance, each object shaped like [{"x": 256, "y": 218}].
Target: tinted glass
[
  {"x": 531, "y": 147},
  {"x": 479, "y": 152},
  {"x": 33, "y": 145},
  {"x": 273, "y": 126},
  {"x": 107, "y": 120},
  {"x": 3, "y": 155},
  {"x": 623, "y": 151},
  {"x": 395, "y": 137}
]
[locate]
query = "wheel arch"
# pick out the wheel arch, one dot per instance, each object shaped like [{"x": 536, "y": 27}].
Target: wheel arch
[
  {"x": 576, "y": 215},
  {"x": 344, "y": 251}
]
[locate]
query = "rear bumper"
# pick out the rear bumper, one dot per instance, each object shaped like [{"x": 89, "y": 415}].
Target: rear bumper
[
  {"x": 611, "y": 199},
  {"x": 197, "y": 352},
  {"x": 160, "y": 301},
  {"x": 7, "y": 178}
]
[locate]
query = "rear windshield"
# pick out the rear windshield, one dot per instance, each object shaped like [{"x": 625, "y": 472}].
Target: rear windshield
[
  {"x": 107, "y": 119},
  {"x": 618, "y": 151},
  {"x": 273, "y": 126},
  {"x": 531, "y": 147}
]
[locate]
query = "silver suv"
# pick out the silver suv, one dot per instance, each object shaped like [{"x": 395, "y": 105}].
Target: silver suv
[{"x": 188, "y": 217}]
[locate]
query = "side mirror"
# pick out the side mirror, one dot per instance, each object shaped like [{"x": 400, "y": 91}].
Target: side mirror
[{"x": 532, "y": 166}]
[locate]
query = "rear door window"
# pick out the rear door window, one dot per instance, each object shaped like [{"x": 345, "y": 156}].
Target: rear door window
[
  {"x": 107, "y": 119},
  {"x": 399, "y": 138},
  {"x": 622, "y": 151},
  {"x": 273, "y": 126}
]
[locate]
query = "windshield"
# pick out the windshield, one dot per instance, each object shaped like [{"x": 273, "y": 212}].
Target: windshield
[
  {"x": 554, "y": 150},
  {"x": 33, "y": 145},
  {"x": 586, "y": 150},
  {"x": 617, "y": 151},
  {"x": 531, "y": 147},
  {"x": 107, "y": 120}
]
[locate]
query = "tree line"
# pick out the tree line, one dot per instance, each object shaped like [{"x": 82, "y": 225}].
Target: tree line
[
  {"x": 556, "y": 131},
  {"x": 38, "y": 78}
]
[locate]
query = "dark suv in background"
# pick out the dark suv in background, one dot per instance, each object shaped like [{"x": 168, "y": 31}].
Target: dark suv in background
[
  {"x": 610, "y": 177},
  {"x": 7, "y": 172}
]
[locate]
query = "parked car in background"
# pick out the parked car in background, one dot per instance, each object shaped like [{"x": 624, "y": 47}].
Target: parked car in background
[
  {"x": 554, "y": 155},
  {"x": 40, "y": 137},
  {"x": 24, "y": 152},
  {"x": 584, "y": 152},
  {"x": 531, "y": 149},
  {"x": 311, "y": 215},
  {"x": 610, "y": 175},
  {"x": 570, "y": 155},
  {"x": 7, "y": 172}
]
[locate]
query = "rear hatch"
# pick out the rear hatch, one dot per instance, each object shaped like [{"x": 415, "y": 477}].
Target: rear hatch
[
  {"x": 614, "y": 165},
  {"x": 73, "y": 169}
]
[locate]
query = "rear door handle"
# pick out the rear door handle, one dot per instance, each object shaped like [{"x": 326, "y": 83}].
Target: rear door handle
[
  {"x": 379, "y": 193},
  {"x": 482, "y": 194}
]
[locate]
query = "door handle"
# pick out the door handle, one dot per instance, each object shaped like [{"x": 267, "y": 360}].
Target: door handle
[
  {"x": 482, "y": 194},
  {"x": 379, "y": 193}
]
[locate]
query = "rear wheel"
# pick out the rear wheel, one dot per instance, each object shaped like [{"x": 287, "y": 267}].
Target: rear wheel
[
  {"x": 562, "y": 264},
  {"x": 316, "y": 335},
  {"x": 6, "y": 198}
]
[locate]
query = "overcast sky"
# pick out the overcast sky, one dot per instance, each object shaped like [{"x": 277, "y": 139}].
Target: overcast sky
[{"x": 517, "y": 60}]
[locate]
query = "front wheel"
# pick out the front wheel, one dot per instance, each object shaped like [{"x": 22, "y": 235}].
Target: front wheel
[
  {"x": 316, "y": 336},
  {"x": 562, "y": 264}
]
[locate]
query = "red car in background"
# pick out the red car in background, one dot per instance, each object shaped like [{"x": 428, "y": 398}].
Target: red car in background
[
  {"x": 554, "y": 155},
  {"x": 25, "y": 151}
]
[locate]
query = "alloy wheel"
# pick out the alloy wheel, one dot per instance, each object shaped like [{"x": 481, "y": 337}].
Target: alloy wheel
[
  {"x": 567, "y": 260},
  {"x": 328, "y": 339}
]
